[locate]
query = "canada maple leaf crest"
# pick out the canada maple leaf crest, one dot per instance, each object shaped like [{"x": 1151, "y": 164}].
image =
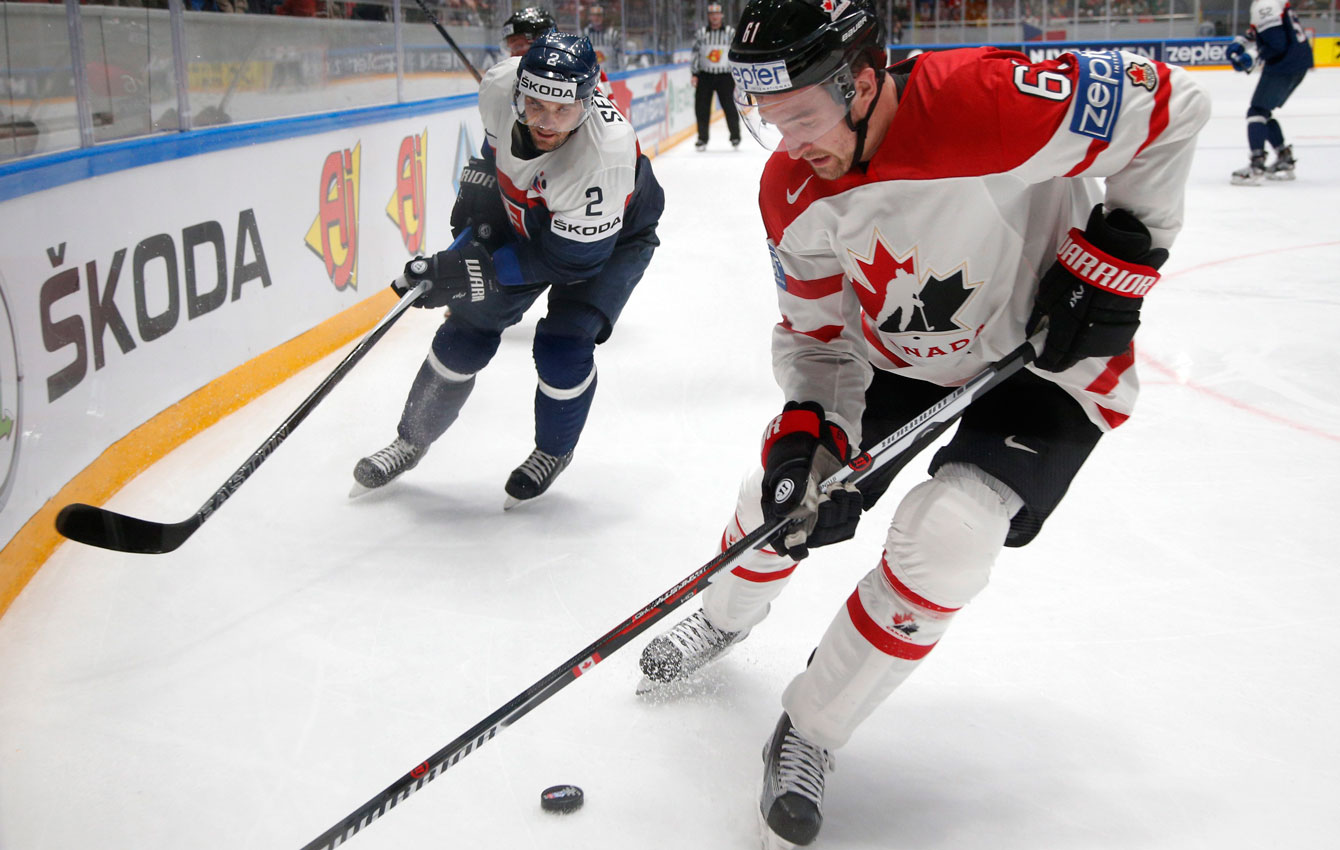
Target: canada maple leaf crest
[{"x": 902, "y": 300}]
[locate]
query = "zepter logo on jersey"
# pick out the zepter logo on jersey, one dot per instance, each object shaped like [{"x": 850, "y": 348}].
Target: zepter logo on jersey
[
  {"x": 1097, "y": 94},
  {"x": 555, "y": 91}
]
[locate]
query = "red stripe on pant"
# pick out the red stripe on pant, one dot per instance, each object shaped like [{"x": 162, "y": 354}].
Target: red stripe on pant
[
  {"x": 886, "y": 642},
  {"x": 909, "y": 594}
]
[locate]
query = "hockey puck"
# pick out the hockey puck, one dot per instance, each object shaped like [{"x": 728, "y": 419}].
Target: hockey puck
[{"x": 562, "y": 799}]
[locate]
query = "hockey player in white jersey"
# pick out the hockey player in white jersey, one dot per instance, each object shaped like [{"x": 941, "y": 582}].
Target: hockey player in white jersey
[
  {"x": 922, "y": 221},
  {"x": 1275, "y": 40},
  {"x": 561, "y": 201}
]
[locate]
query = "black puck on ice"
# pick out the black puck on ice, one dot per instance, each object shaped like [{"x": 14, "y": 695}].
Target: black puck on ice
[{"x": 562, "y": 798}]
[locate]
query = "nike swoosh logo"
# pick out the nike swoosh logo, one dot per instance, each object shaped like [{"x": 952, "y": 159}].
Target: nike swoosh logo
[
  {"x": 791, "y": 198},
  {"x": 1015, "y": 444}
]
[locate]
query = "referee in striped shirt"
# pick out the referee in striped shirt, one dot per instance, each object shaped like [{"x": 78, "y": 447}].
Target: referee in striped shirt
[{"x": 711, "y": 74}]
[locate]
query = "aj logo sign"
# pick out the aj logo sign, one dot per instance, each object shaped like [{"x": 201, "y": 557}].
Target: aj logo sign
[
  {"x": 333, "y": 236},
  {"x": 408, "y": 206}
]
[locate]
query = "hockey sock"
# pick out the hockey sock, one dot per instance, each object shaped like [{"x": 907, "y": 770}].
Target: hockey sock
[
  {"x": 435, "y": 400},
  {"x": 560, "y": 415},
  {"x": 1256, "y": 130},
  {"x": 739, "y": 599},
  {"x": 1274, "y": 134}
]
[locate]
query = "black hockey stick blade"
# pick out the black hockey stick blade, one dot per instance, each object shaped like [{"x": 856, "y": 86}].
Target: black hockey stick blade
[
  {"x": 106, "y": 529},
  {"x": 911, "y": 438}
]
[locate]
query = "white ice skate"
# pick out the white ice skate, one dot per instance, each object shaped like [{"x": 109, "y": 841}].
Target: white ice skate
[{"x": 675, "y": 655}]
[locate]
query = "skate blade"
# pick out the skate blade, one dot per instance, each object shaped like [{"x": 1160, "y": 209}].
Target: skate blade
[
  {"x": 359, "y": 490},
  {"x": 1282, "y": 177},
  {"x": 1246, "y": 181},
  {"x": 512, "y": 502}
]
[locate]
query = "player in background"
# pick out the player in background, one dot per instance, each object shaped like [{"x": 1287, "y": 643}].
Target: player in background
[
  {"x": 1276, "y": 40},
  {"x": 605, "y": 40},
  {"x": 562, "y": 202},
  {"x": 523, "y": 27},
  {"x": 922, "y": 221},
  {"x": 711, "y": 75}
]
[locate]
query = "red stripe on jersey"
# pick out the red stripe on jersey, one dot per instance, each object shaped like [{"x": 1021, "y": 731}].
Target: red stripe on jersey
[
  {"x": 755, "y": 576},
  {"x": 886, "y": 642},
  {"x": 1158, "y": 120},
  {"x": 962, "y": 114},
  {"x": 1111, "y": 417},
  {"x": 827, "y": 333},
  {"x": 909, "y": 594},
  {"x": 878, "y": 344},
  {"x": 812, "y": 289},
  {"x": 1096, "y": 147},
  {"x": 512, "y": 193},
  {"x": 1107, "y": 381}
]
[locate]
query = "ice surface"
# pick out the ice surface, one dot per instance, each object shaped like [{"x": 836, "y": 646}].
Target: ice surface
[{"x": 1158, "y": 670}]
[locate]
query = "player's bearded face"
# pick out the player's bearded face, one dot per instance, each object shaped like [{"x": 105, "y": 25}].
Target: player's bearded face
[
  {"x": 550, "y": 123},
  {"x": 808, "y": 124}
]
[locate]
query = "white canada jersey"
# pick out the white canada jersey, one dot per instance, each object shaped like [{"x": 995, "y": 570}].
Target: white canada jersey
[
  {"x": 568, "y": 202},
  {"x": 927, "y": 263}
]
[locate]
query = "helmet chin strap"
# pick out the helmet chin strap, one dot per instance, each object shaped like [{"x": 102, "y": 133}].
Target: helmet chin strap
[{"x": 862, "y": 126}]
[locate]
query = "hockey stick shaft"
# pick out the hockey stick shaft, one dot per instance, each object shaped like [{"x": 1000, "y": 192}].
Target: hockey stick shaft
[
  {"x": 107, "y": 529},
  {"x": 910, "y": 438},
  {"x": 450, "y": 41}
]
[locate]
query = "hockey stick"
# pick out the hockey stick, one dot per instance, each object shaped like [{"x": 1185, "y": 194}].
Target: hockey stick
[
  {"x": 912, "y": 437},
  {"x": 110, "y": 530},
  {"x": 450, "y": 41}
]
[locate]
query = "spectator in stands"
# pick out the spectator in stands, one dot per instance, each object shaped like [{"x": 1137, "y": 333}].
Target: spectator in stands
[{"x": 295, "y": 8}]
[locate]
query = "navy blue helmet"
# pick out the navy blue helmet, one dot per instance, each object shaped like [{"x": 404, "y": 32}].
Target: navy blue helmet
[{"x": 559, "y": 66}]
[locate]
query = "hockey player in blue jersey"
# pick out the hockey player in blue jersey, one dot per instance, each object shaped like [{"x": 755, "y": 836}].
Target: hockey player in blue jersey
[
  {"x": 561, "y": 201},
  {"x": 1276, "y": 41}
]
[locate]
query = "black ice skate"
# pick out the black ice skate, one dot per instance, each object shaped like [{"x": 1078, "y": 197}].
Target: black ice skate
[
  {"x": 1254, "y": 173},
  {"x": 1283, "y": 166},
  {"x": 700, "y": 145},
  {"x": 379, "y": 468},
  {"x": 790, "y": 808},
  {"x": 534, "y": 476},
  {"x": 678, "y": 653}
]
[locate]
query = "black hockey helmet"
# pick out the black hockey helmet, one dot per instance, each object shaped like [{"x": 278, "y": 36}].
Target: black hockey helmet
[
  {"x": 784, "y": 46},
  {"x": 529, "y": 22},
  {"x": 787, "y": 44},
  {"x": 559, "y": 68}
]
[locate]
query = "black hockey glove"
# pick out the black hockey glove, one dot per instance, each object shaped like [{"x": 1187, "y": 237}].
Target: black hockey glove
[
  {"x": 800, "y": 449},
  {"x": 479, "y": 205},
  {"x": 1091, "y": 296},
  {"x": 463, "y": 273}
]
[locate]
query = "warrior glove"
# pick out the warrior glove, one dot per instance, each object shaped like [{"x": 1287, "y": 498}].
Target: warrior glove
[
  {"x": 1091, "y": 296},
  {"x": 461, "y": 274},
  {"x": 800, "y": 450},
  {"x": 479, "y": 205}
]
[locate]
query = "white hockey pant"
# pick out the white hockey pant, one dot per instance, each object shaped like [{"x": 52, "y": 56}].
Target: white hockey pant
[
  {"x": 738, "y": 599},
  {"x": 943, "y": 539}
]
